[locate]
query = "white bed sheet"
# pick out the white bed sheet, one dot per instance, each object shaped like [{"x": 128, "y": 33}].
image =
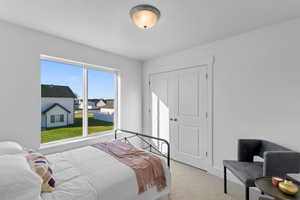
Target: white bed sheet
[{"x": 91, "y": 174}]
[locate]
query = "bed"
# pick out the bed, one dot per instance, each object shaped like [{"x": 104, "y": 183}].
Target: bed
[{"x": 91, "y": 174}]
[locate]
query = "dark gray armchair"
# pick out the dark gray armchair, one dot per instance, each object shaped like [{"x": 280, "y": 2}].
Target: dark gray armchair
[{"x": 278, "y": 161}]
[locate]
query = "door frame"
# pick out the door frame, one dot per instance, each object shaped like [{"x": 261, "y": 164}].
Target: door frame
[{"x": 209, "y": 62}]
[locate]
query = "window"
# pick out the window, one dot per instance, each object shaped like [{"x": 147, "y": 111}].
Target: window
[
  {"x": 61, "y": 118},
  {"x": 80, "y": 97},
  {"x": 101, "y": 92},
  {"x": 57, "y": 118},
  {"x": 52, "y": 118}
]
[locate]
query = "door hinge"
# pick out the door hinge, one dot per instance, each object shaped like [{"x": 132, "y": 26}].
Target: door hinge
[
  {"x": 206, "y": 115},
  {"x": 206, "y": 154},
  {"x": 206, "y": 76},
  {"x": 149, "y": 83}
]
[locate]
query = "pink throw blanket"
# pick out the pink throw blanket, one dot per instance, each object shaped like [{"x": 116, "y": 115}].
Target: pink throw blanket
[{"x": 147, "y": 167}]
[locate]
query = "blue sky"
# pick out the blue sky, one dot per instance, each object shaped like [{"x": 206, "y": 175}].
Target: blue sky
[{"x": 101, "y": 84}]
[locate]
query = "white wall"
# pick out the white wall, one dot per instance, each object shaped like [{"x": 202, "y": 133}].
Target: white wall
[
  {"x": 256, "y": 86},
  {"x": 20, "y": 80}
]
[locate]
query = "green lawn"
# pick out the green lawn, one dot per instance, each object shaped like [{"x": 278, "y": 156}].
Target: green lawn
[{"x": 75, "y": 129}]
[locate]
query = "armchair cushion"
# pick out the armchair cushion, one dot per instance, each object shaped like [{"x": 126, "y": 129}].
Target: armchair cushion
[
  {"x": 247, "y": 172},
  {"x": 270, "y": 146},
  {"x": 247, "y": 149},
  {"x": 279, "y": 163}
]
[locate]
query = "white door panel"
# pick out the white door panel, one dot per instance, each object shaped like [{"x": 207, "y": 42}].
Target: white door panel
[
  {"x": 188, "y": 94},
  {"x": 191, "y": 117},
  {"x": 173, "y": 106},
  {"x": 159, "y": 108},
  {"x": 188, "y": 140},
  {"x": 154, "y": 114}
]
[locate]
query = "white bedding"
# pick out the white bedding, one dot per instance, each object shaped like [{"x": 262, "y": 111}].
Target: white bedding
[{"x": 89, "y": 174}]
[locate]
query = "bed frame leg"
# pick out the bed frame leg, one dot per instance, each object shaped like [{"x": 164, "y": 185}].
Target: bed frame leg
[{"x": 116, "y": 134}]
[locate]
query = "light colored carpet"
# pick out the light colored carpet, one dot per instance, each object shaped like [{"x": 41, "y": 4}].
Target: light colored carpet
[{"x": 189, "y": 183}]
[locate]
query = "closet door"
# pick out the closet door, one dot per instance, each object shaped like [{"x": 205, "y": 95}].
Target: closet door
[
  {"x": 179, "y": 106},
  {"x": 189, "y": 127}
]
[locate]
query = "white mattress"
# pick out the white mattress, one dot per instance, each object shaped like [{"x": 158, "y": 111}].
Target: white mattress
[{"x": 91, "y": 174}]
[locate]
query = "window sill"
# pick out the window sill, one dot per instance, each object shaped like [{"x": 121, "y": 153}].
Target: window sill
[{"x": 77, "y": 142}]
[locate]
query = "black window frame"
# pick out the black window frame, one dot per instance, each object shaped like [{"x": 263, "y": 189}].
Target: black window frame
[
  {"x": 52, "y": 119},
  {"x": 61, "y": 118}
]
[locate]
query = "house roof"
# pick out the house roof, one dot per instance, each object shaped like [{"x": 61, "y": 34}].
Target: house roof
[
  {"x": 52, "y": 106},
  {"x": 57, "y": 91},
  {"x": 109, "y": 103},
  {"x": 94, "y": 100}
]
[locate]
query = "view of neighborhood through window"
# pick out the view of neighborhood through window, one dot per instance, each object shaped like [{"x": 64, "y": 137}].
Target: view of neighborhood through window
[
  {"x": 101, "y": 94},
  {"x": 62, "y": 102}
]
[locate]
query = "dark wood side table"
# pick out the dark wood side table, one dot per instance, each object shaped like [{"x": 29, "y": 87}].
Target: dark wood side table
[{"x": 266, "y": 186}]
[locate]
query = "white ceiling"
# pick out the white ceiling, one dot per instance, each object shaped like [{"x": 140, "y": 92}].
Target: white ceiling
[{"x": 105, "y": 24}]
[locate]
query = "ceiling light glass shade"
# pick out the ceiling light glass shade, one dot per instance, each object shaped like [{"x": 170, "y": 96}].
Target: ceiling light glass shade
[{"x": 145, "y": 16}]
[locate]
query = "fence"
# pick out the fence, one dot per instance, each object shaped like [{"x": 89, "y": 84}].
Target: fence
[{"x": 104, "y": 116}]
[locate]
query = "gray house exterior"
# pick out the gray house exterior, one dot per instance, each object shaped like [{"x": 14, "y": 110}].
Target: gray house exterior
[
  {"x": 57, "y": 106},
  {"x": 108, "y": 107}
]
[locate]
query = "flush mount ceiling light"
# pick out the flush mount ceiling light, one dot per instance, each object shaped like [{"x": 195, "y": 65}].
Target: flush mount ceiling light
[{"x": 145, "y": 16}]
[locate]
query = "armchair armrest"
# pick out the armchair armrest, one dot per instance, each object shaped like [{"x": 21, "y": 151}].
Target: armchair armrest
[
  {"x": 279, "y": 163},
  {"x": 247, "y": 149}
]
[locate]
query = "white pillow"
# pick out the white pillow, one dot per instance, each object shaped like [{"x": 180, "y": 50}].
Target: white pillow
[
  {"x": 18, "y": 181},
  {"x": 8, "y": 147}
]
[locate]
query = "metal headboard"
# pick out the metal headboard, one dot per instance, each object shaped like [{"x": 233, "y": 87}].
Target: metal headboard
[{"x": 149, "y": 146}]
